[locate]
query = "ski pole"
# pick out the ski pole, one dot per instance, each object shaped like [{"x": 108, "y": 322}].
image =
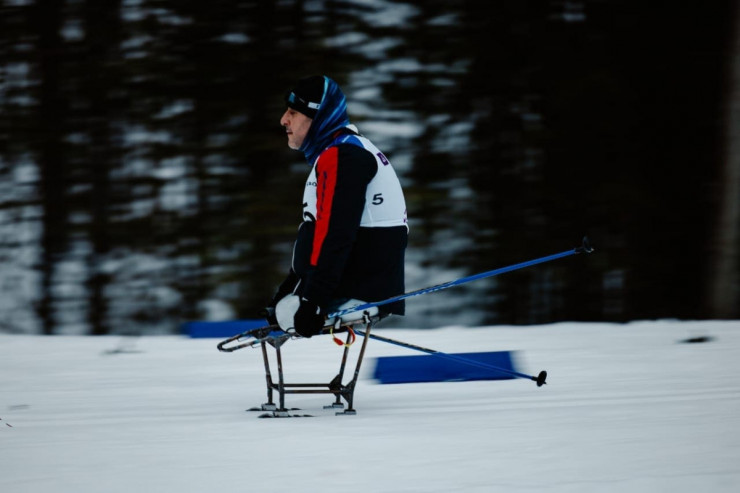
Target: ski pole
[
  {"x": 584, "y": 248},
  {"x": 540, "y": 378}
]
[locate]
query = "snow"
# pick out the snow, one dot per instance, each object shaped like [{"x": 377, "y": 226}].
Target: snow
[{"x": 627, "y": 408}]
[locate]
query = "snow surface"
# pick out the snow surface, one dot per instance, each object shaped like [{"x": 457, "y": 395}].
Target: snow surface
[{"x": 627, "y": 408}]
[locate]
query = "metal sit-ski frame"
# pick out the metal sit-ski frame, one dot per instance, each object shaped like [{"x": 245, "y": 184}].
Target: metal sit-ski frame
[{"x": 274, "y": 337}]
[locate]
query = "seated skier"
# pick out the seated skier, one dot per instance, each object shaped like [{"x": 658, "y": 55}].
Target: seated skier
[{"x": 352, "y": 241}]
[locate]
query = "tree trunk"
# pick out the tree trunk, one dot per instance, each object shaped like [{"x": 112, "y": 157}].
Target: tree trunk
[
  {"x": 47, "y": 20},
  {"x": 725, "y": 288},
  {"x": 102, "y": 37}
]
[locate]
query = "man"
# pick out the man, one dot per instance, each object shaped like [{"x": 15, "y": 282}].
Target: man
[{"x": 352, "y": 241}]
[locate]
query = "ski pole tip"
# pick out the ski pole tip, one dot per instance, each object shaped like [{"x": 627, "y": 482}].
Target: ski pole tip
[{"x": 540, "y": 379}]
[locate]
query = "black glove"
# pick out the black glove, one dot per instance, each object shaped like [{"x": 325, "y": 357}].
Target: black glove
[{"x": 308, "y": 319}]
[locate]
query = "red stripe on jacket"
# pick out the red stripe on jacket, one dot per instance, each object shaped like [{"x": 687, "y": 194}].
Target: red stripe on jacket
[{"x": 326, "y": 177}]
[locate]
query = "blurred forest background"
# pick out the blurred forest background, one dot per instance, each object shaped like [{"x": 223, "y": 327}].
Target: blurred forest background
[{"x": 145, "y": 180}]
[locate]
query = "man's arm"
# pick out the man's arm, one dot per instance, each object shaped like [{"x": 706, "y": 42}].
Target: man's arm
[{"x": 343, "y": 174}]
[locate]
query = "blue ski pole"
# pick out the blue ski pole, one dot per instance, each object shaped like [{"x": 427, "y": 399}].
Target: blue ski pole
[{"x": 584, "y": 248}]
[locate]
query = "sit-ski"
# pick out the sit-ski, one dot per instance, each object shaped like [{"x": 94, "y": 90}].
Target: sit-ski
[{"x": 274, "y": 336}]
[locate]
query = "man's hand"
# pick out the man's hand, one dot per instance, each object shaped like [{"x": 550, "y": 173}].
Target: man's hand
[{"x": 308, "y": 319}]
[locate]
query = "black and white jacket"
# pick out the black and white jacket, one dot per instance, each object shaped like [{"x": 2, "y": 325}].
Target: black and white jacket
[{"x": 353, "y": 238}]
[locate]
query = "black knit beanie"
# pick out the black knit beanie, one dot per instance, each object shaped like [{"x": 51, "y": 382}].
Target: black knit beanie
[{"x": 306, "y": 96}]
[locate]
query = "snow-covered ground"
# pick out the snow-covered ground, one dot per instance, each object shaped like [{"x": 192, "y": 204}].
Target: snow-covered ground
[{"x": 627, "y": 408}]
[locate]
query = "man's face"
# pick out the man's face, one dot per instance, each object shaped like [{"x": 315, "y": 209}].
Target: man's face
[{"x": 296, "y": 127}]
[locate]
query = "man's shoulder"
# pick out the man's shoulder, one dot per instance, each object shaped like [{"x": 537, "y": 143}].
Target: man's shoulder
[
  {"x": 353, "y": 149},
  {"x": 349, "y": 152},
  {"x": 357, "y": 157}
]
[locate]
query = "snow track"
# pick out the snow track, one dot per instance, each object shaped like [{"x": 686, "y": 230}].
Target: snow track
[{"x": 627, "y": 408}]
